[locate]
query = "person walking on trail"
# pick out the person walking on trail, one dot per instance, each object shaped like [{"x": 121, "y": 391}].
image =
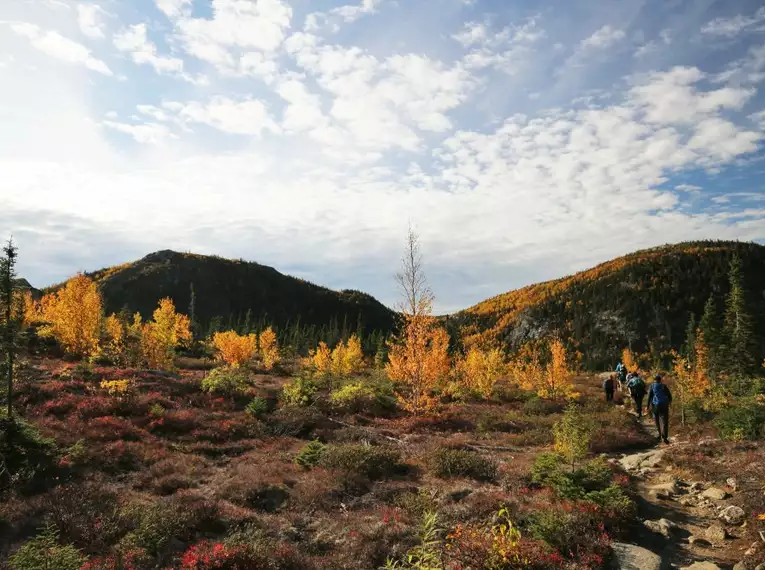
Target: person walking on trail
[
  {"x": 621, "y": 373},
  {"x": 659, "y": 398},
  {"x": 608, "y": 388},
  {"x": 636, "y": 386}
]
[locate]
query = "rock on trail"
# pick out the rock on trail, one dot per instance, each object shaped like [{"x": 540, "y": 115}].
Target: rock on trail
[{"x": 631, "y": 557}]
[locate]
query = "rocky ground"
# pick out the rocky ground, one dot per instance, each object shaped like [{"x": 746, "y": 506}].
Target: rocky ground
[{"x": 687, "y": 522}]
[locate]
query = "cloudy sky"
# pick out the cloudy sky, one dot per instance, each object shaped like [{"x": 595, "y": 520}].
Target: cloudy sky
[{"x": 523, "y": 140}]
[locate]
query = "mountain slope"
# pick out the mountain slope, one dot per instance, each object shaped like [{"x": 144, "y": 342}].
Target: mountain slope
[
  {"x": 646, "y": 295},
  {"x": 230, "y": 288}
]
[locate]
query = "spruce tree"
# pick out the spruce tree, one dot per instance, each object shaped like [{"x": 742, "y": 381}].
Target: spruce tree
[
  {"x": 689, "y": 349},
  {"x": 193, "y": 313},
  {"x": 10, "y": 316},
  {"x": 737, "y": 330},
  {"x": 709, "y": 326}
]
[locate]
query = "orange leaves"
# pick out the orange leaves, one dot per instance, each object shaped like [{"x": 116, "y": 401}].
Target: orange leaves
[
  {"x": 480, "y": 370},
  {"x": 160, "y": 336},
  {"x": 234, "y": 349},
  {"x": 419, "y": 359},
  {"x": 553, "y": 381},
  {"x": 269, "y": 349},
  {"x": 628, "y": 359},
  {"x": 345, "y": 360},
  {"x": 237, "y": 350},
  {"x": 73, "y": 316}
]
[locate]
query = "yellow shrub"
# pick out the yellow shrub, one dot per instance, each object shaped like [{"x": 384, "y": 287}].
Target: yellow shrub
[
  {"x": 117, "y": 388},
  {"x": 160, "y": 337},
  {"x": 269, "y": 348},
  {"x": 480, "y": 370},
  {"x": 234, "y": 349}
]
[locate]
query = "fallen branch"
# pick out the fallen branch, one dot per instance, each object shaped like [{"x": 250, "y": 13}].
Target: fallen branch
[{"x": 369, "y": 429}]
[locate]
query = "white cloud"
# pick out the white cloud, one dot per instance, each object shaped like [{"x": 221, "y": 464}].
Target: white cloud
[
  {"x": 172, "y": 8},
  {"x": 508, "y": 50},
  {"x": 688, "y": 188},
  {"x": 64, "y": 49},
  {"x": 303, "y": 111},
  {"x": 747, "y": 70},
  {"x": 247, "y": 117},
  {"x": 145, "y": 133},
  {"x": 671, "y": 97},
  {"x": 603, "y": 38},
  {"x": 380, "y": 103},
  {"x": 244, "y": 24},
  {"x": 473, "y": 33},
  {"x": 133, "y": 40},
  {"x": 89, "y": 20},
  {"x": 258, "y": 65},
  {"x": 731, "y": 27},
  {"x": 317, "y": 21}
]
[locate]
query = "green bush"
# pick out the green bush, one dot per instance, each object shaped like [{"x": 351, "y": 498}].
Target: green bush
[
  {"x": 29, "y": 458},
  {"x": 447, "y": 462},
  {"x": 310, "y": 454},
  {"x": 595, "y": 476},
  {"x": 363, "y": 396},
  {"x": 45, "y": 553},
  {"x": 745, "y": 420},
  {"x": 227, "y": 381},
  {"x": 364, "y": 460},
  {"x": 299, "y": 393},
  {"x": 536, "y": 406},
  {"x": 258, "y": 407}
]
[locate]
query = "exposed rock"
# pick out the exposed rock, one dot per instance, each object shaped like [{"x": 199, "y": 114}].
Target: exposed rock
[
  {"x": 733, "y": 515},
  {"x": 740, "y": 566},
  {"x": 662, "y": 526},
  {"x": 732, "y": 483},
  {"x": 760, "y": 567},
  {"x": 716, "y": 533},
  {"x": 687, "y": 500},
  {"x": 696, "y": 486},
  {"x": 715, "y": 493},
  {"x": 670, "y": 488},
  {"x": 702, "y": 566},
  {"x": 631, "y": 557},
  {"x": 698, "y": 541},
  {"x": 636, "y": 461},
  {"x": 752, "y": 549}
]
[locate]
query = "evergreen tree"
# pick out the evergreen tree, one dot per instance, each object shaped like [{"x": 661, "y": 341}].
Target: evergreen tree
[
  {"x": 737, "y": 329},
  {"x": 690, "y": 339},
  {"x": 193, "y": 313},
  {"x": 10, "y": 316},
  {"x": 709, "y": 326}
]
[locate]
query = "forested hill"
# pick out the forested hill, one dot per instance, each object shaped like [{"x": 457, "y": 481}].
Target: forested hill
[
  {"x": 645, "y": 296},
  {"x": 230, "y": 289}
]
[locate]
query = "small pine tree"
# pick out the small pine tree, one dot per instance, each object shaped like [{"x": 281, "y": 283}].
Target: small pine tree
[
  {"x": 709, "y": 326},
  {"x": 45, "y": 552},
  {"x": 737, "y": 330},
  {"x": 11, "y": 316},
  {"x": 690, "y": 339},
  {"x": 573, "y": 434}
]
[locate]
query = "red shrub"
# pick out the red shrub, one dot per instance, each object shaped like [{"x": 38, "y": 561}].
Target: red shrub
[
  {"x": 175, "y": 422},
  {"x": 109, "y": 428},
  {"x": 60, "y": 406},
  {"x": 96, "y": 406},
  {"x": 207, "y": 555}
]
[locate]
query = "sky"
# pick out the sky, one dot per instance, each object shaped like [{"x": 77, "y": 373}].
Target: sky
[{"x": 522, "y": 140}]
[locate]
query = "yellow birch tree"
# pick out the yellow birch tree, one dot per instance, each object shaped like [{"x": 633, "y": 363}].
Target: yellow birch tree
[
  {"x": 269, "y": 348},
  {"x": 234, "y": 349},
  {"x": 73, "y": 316},
  {"x": 160, "y": 336}
]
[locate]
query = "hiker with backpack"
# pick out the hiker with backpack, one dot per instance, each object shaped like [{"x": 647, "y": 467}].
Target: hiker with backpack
[
  {"x": 636, "y": 386},
  {"x": 608, "y": 388},
  {"x": 621, "y": 373},
  {"x": 659, "y": 398}
]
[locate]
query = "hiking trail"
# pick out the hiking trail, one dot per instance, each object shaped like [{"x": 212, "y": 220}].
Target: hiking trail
[{"x": 681, "y": 523}]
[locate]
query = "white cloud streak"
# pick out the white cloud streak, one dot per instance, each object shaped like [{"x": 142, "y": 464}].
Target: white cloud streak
[{"x": 57, "y": 46}]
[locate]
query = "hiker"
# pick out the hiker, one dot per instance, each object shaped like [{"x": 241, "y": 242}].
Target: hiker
[
  {"x": 621, "y": 373},
  {"x": 608, "y": 388},
  {"x": 659, "y": 398},
  {"x": 636, "y": 386}
]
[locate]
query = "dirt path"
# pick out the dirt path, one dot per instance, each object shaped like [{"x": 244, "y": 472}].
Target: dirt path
[{"x": 678, "y": 519}]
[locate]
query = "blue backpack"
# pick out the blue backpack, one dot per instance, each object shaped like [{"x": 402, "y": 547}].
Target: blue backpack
[{"x": 660, "y": 394}]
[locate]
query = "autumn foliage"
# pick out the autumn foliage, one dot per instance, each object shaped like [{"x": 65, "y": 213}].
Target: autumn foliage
[
  {"x": 553, "y": 381},
  {"x": 269, "y": 348},
  {"x": 160, "y": 336},
  {"x": 420, "y": 360},
  {"x": 235, "y": 349},
  {"x": 480, "y": 370},
  {"x": 72, "y": 316},
  {"x": 346, "y": 359}
]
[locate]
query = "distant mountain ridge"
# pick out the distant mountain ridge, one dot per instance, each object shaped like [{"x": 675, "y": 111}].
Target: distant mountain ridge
[
  {"x": 230, "y": 289},
  {"x": 644, "y": 296}
]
